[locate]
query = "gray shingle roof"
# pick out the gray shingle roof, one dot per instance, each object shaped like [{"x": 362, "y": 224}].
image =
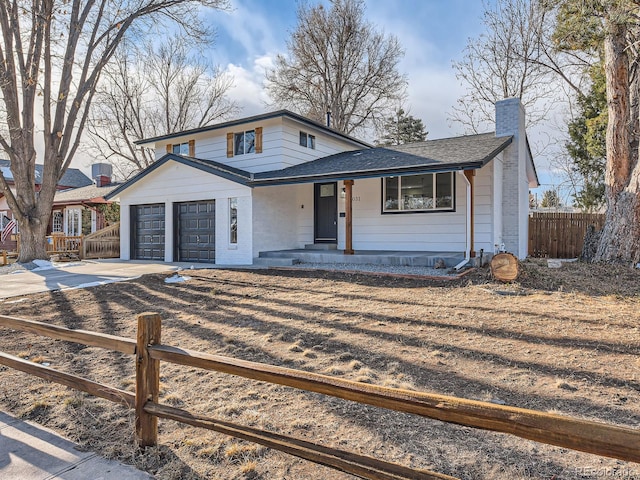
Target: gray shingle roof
[
  {"x": 255, "y": 118},
  {"x": 458, "y": 153},
  {"x": 83, "y": 193},
  {"x": 72, "y": 178}
]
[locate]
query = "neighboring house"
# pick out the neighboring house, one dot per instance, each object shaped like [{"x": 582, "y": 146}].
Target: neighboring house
[
  {"x": 73, "y": 178},
  {"x": 279, "y": 181},
  {"x": 76, "y": 211}
]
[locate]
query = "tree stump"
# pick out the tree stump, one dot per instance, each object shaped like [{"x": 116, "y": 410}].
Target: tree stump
[{"x": 504, "y": 267}]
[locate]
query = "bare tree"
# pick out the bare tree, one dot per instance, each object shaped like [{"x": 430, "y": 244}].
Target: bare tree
[
  {"x": 151, "y": 91},
  {"x": 515, "y": 57},
  {"x": 338, "y": 62},
  {"x": 53, "y": 52}
]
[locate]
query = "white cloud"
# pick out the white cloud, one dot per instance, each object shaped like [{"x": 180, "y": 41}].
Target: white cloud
[
  {"x": 248, "y": 85},
  {"x": 432, "y": 94}
]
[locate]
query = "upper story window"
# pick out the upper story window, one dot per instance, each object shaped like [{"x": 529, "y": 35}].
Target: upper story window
[
  {"x": 418, "y": 193},
  {"x": 307, "y": 140},
  {"x": 181, "y": 148},
  {"x": 244, "y": 142},
  {"x": 185, "y": 148},
  {"x": 249, "y": 141}
]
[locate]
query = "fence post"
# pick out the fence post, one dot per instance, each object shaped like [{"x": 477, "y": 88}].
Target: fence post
[{"x": 147, "y": 378}]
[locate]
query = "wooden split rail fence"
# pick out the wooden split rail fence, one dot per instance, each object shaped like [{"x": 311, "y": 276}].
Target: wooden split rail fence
[{"x": 593, "y": 437}]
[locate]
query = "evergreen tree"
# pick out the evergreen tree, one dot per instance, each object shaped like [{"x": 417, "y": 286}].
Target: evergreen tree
[
  {"x": 550, "y": 199},
  {"x": 587, "y": 144},
  {"x": 402, "y": 128}
]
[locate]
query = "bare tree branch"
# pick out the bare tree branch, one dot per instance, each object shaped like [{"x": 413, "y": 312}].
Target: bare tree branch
[
  {"x": 338, "y": 62},
  {"x": 61, "y": 46},
  {"x": 150, "y": 91}
]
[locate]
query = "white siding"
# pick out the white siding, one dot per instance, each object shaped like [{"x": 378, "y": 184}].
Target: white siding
[
  {"x": 498, "y": 179},
  {"x": 275, "y": 217},
  {"x": 304, "y": 217},
  {"x": 294, "y": 154},
  {"x": 372, "y": 230},
  {"x": 483, "y": 209},
  {"x": 280, "y": 145},
  {"x": 174, "y": 182}
]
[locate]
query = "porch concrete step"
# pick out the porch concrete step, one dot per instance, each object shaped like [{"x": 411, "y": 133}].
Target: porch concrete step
[
  {"x": 274, "y": 261},
  {"x": 321, "y": 246},
  {"x": 413, "y": 259}
]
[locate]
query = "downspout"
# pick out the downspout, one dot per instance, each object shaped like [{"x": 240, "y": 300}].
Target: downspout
[{"x": 467, "y": 246}]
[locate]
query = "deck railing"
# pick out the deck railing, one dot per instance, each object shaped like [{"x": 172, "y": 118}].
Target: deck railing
[
  {"x": 584, "y": 435},
  {"x": 62, "y": 244},
  {"x": 104, "y": 243}
]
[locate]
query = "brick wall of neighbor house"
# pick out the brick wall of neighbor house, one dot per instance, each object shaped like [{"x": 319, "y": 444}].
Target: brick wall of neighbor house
[
  {"x": 173, "y": 182},
  {"x": 510, "y": 120}
]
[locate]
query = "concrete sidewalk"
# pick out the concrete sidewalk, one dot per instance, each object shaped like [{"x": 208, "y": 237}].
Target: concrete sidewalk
[
  {"x": 32, "y": 452},
  {"x": 77, "y": 275}
]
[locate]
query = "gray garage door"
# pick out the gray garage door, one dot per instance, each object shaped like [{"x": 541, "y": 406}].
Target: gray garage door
[
  {"x": 147, "y": 232},
  {"x": 195, "y": 240}
]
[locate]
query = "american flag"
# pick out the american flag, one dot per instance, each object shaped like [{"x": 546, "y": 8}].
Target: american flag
[{"x": 8, "y": 228}]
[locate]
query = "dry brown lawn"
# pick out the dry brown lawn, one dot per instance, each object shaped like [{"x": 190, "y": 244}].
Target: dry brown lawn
[{"x": 563, "y": 341}]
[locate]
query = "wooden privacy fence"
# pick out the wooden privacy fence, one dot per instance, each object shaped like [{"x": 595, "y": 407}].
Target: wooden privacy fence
[
  {"x": 598, "y": 438},
  {"x": 104, "y": 243},
  {"x": 560, "y": 235}
]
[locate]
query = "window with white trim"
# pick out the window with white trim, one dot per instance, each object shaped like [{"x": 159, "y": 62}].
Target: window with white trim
[
  {"x": 418, "y": 193},
  {"x": 233, "y": 221},
  {"x": 307, "y": 140},
  {"x": 74, "y": 222},
  {"x": 244, "y": 142},
  {"x": 57, "y": 222}
]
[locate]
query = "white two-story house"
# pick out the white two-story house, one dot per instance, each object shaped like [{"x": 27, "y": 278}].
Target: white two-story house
[{"x": 225, "y": 193}]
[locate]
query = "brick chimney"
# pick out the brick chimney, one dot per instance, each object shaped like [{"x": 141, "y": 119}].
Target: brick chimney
[
  {"x": 101, "y": 174},
  {"x": 510, "y": 121}
]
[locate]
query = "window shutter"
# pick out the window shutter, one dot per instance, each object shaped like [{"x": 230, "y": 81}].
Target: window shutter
[
  {"x": 229, "y": 144},
  {"x": 169, "y": 148},
  {"x": 192, "y": 148},
  {"x": 258, "y": 139}
]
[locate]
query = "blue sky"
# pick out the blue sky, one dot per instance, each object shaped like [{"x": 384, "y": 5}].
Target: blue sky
[{"x": 432, "y": 32}]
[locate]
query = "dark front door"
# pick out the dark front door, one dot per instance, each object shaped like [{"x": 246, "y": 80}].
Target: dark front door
[
  {"x": 196, "y": 231},
  {"x": 147, "y": 228},
  {"x": 326, "y": 212}
]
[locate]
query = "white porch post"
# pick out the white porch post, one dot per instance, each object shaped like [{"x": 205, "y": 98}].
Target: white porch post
[{"x": 470, "y": 176}]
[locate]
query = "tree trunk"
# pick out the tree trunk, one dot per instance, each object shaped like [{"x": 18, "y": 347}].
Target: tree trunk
[
  {"x": 620, "y": 239},
  {"x": 32, "y": 241}
]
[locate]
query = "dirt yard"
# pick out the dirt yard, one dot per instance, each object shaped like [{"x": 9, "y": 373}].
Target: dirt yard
[{"x": 561, "y": 340}]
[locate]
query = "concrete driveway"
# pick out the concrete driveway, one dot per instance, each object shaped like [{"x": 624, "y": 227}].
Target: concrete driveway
[{"x": 79, "y": 275}]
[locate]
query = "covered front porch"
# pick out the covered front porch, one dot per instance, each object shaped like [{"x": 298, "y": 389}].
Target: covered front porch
[{"x": 406, "y": 205}]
